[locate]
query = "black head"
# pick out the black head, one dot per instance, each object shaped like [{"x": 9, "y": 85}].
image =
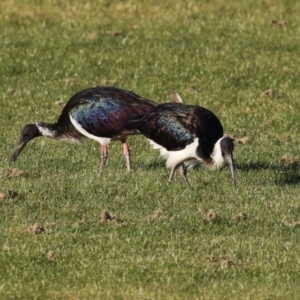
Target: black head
[
  {"x": 29, "y": 132},
  {"x": 227, "y": 147}
]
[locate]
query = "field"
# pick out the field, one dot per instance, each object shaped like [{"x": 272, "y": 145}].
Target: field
[{"x": 69, "y": 232}]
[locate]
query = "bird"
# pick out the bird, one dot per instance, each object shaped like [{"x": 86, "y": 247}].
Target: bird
[
  {"x": 97, "y": 113},
  {"x": 186, "y": 135}
]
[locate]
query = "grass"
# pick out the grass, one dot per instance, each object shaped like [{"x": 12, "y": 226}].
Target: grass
[{"x": 221, "y": 56}]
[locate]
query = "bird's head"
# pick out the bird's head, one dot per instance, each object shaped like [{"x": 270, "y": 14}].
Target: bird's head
[
  {"x": 29, "y": 132},
  {"x": 227, "y": 146}
]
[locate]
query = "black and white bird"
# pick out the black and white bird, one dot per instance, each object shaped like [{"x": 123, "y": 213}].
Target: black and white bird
[
  {"x": 99, "y": 113},
  {"x": 185, "y": 135}
]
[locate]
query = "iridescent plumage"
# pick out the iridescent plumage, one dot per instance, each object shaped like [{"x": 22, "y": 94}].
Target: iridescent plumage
[
  {"x": 98, "y": 113},
  {"x": 185, "y": 135}
]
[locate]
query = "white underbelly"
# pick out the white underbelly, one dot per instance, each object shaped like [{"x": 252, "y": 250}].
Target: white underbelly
[
  {"x": 101, "y": 140},
  {"x": 186, "y": 155}
]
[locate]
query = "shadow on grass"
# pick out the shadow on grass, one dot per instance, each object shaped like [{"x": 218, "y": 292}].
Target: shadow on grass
[
  {"x": 279, "y": 174},
  {"x": 156, "y": 164}
]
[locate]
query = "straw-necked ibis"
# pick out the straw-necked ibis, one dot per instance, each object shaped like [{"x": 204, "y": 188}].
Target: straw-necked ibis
[
  {"x": 98, "y": 113},
  {"x": 185, "y": 135}
]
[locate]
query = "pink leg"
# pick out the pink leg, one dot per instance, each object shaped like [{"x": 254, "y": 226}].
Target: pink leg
[
  {"x": 104, "y": 154},
  {"x": 126, "y": 153}
]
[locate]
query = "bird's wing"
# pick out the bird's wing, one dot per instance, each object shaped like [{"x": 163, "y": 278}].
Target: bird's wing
[
  {"x": 104, "y": 115},
  {"x": 104, "y": 94},
  {"x": 165, "y": 127}
]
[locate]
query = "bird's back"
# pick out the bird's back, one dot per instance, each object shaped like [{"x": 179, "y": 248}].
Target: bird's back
[{"x": 103, "y": 111}]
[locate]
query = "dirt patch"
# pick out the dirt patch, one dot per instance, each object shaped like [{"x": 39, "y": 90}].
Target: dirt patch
[
  {"x": 10, "y": 195},
  {"x": 286, "y": 139},
  {"x": 286, "y": 70},
  {"x": 283, "y": 139},
  {"x": 229, "y": 136},
  {"x": 68, "y": 81},
  {"x": 113, "y": 33},
  {"x": 82, "y": 221},
  {"x": 106, "y": 81},
  {"x": 220, "y": 260},
  {"x": 290, "y": 224},
  {"x": 240, "y": 216},
  {"x": 267, "y": 94},
  {"x": 288, "y": 160},
  {"x": 50, "y": 255},
  {"x": 11, "y": 173},
  {"x": 279, "y": 23},
  {"x": 192, "y": 89},
  {"x": 158, "y": 214},
  {"x": 51, "y": 224},
  {"x": 210, "y": 216},
  {"x": 35, "y": 229},
  {"x": 109, "y": 218},
  {"x": 243, "y": 140},
  {"x": 11, "y": 91},
  {"x": 3, "y": 196},
  {"x": 59, "y": 103}
]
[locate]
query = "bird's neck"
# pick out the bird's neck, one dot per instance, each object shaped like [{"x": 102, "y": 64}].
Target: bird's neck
[
  {"x": 48, "y": 130},
  {"x": 54, "y": 131},
  {"x": 216, "y": 156}
]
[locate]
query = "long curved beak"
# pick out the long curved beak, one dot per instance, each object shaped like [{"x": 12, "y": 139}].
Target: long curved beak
[
  {"x": 21, "y": 144},
  {"x": 231, "y": 165}
]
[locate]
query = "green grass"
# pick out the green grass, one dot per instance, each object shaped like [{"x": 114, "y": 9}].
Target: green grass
[{"x": 221, "y": 55}]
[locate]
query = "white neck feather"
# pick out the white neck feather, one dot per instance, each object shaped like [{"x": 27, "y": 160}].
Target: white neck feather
[
  {"x": 217, "y": 157},
  {"x": 45, "y": 131}
]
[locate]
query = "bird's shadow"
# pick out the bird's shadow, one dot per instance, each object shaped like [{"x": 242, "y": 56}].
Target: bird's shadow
[
  {"x": 278, "y": 174},
  {"x": 272, "y": 173},
  {"x": 151, "y": 164}
]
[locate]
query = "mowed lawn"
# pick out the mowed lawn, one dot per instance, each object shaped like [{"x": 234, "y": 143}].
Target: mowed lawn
[{"x": 68, "y": 232}]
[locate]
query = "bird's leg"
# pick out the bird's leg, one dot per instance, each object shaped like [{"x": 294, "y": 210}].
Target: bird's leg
[
  {"x": 182, "y": 171},
  {"x": 126, "y": 153},
  {"x": 172, "y": 174},
  {"x": 104, "y": 154}
]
